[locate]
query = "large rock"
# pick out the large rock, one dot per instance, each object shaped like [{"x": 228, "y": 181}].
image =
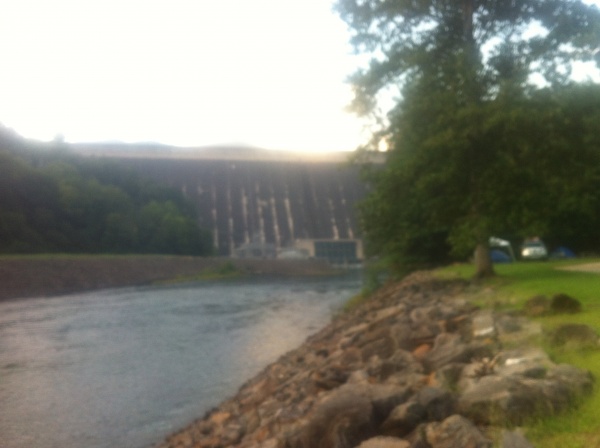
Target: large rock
[
  {"x": 439, "y": 403},
  {"x": 519, "y": 395},
  {"x": 484, "y": 324},
  {"x": 514, "y": 439},
  {"x": 559, "y": 304},
  {"x": 563, "y": 303},
  {"x": 447, "y": 348},
  {"x": 456, "y": 431},
  {"x": 386, "y": 397},
  {"x": 384, "y": 442},
  {"x": 450, "y": 348},
  {"x": 575, "y": 335},
  {"x": 516, "y": 330},
  {"x": 496, "y": 399},
  {"x": 343, "y": 420},
  {"x": 531, "y": 362},
  {"x": 537, "y": 306},
  {"x": 404, "y": 418}
]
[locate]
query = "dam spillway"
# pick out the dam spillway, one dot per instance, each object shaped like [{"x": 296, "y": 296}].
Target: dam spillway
[{"x": 273, "y": 202}]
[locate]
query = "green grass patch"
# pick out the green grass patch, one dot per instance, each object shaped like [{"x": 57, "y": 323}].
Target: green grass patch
[
  {"x": 515, "y": 283},
  {"x": 355, "y": 301},
  {"x": 225, "y": 271}
]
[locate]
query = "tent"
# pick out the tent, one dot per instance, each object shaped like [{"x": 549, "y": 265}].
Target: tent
[
  {"x": 499, "y": 256},
  {"x": 562, "y": 252},
  {"x": 500, "y": 245}
]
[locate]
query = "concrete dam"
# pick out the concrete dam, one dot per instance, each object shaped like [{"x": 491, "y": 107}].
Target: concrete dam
[{"x": 267, "y": 208}]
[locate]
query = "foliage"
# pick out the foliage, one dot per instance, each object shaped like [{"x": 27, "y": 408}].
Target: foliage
[
  {"x": 53, "y": 201},
  {"x": 476, "y": 149},
  {"x": 537, "y": 174}
]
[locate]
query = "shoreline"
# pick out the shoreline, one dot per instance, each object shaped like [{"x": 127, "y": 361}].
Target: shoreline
[
  {"x": 31, "y": 276},
  {"x": 418, "y": 364}
]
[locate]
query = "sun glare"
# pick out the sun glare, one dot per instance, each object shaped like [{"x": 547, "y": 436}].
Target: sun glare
[{"x": 266, "y": 73}]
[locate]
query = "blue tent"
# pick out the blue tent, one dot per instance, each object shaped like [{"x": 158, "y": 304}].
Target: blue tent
[
  {"x": 562, "y": 252},
  {"x": 499, "y": 256}
]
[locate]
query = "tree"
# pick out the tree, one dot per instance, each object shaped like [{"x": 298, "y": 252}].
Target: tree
[
  {"x": 471, "y": 126},
  {"x": 56, "y": 201}
]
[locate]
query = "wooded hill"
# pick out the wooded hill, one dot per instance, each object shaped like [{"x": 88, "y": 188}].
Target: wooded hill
[{"x": 55, "y": 201}]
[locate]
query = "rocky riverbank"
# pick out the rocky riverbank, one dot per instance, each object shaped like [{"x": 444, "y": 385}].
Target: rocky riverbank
[
  {"x": 22, "y": 277},
  {"x": 415, "y": 366}
]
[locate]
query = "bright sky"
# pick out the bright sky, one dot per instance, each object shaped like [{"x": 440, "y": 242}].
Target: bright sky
[{"x": 267, "y": 73}]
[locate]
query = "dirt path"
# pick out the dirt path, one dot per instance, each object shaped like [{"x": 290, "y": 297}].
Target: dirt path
[{"x": 587, "y": 267}]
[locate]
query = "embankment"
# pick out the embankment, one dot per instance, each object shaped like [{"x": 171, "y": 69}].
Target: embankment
[
  {"x": 417, "y": 365},
  {"x": 31, "y": 276}
]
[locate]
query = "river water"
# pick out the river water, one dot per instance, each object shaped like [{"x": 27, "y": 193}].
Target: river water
[{"x": 126, "y": 367}]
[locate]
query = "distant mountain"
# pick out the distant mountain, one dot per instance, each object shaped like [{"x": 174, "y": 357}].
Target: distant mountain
[
  {"x": 153, "y": 150},
  {"x": 213, "y": 152}
]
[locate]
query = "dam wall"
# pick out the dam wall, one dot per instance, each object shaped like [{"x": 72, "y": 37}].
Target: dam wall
[{"x": 266, "y": 202}]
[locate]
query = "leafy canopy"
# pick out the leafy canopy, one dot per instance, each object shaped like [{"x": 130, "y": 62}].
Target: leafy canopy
[
  {"x": 476, "y": 147},
  {"x": 501, "y": 40}
]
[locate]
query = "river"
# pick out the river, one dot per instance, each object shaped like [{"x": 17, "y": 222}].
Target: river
[{"x": 126, "y": 367}]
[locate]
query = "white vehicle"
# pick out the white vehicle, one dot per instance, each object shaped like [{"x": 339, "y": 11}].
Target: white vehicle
[{"x": 534, "y": 250}]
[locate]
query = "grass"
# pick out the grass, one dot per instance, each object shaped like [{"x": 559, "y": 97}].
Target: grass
[
  {"x": 225, "y": 271},
  {"x": 578, "y": 427},
  {"x": 215, "y": 270}
]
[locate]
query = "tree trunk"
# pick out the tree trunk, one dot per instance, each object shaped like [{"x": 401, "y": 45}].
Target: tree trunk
[
  {"x": 483, "y": 261},
  {"x": 468, "y": 9}
]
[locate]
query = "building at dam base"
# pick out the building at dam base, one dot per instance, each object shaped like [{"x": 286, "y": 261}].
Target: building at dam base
[{"x": 337, "y": 252}]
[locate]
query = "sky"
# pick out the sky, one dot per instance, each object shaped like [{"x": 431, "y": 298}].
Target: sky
[{"x": 264, "y": 73}]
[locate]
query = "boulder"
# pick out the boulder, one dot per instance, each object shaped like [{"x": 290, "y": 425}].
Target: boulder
[
  {"x": 531, "y": 362},
  {"x": 574, "y": 335},
  {"x": 516, "y": 329},
  {"x": 507, "y": 324},
  {"x": 456, "y": 431},
  {"x": 514, "y": 439},
  {"x": 383, "y": 348},
  {"x": 384, "y": 398},
  {"x": 579, "y": 382},
  {"x": 331, "y": 376},
  {"x": 447, "y": 376},
  {"x": 401, "y": 362},
  {"x": 484, "y": 324},
  {"x": 497, "y": 399},
  {"x": 404, "y": 418},
  {"x": 439, "y": 403},
  {"x": 519, "y": 395},
  {"x": 450, "y": 348},
  {"x": 447, "y": 348},
  {"x": 342, "y": 420},
  {"x": 384, "y": 442},
  {"x": 564, "y": 304},
  {"x": 537, "y": 306}
]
